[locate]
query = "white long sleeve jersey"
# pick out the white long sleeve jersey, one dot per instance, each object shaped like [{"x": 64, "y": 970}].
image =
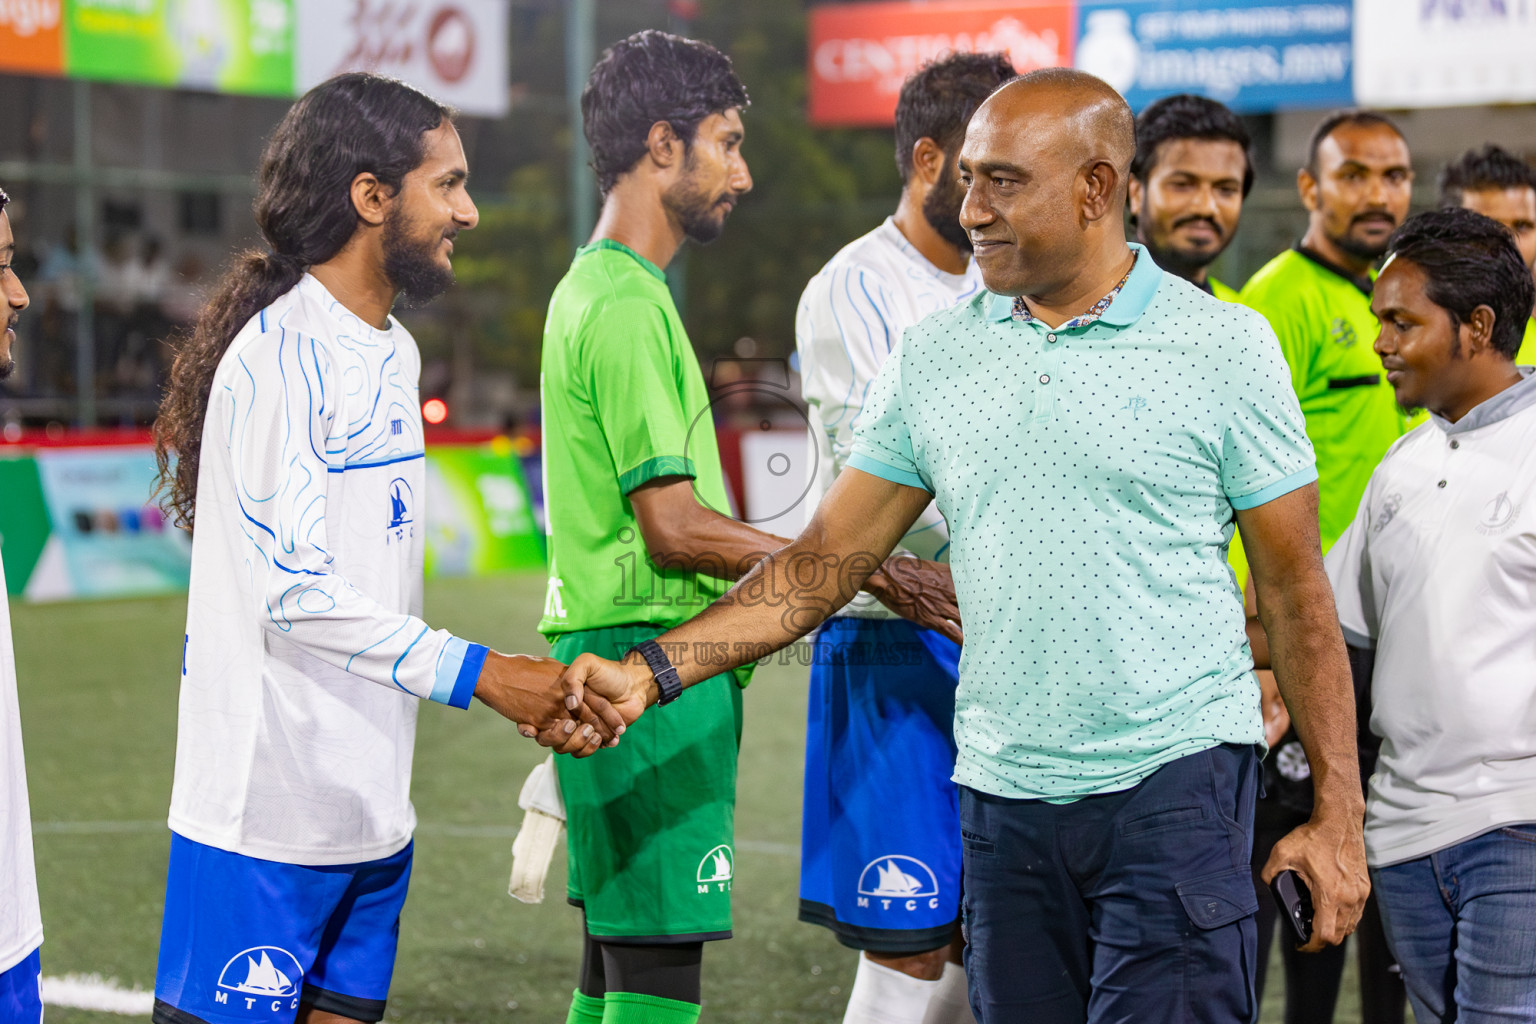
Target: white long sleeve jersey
[
  {"x": 21, "y": 922},
  {"x": 851, "y": 315},
  {"x": 305, "y": 656}
]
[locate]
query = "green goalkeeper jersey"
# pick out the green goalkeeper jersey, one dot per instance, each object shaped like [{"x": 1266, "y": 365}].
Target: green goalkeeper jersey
[
  {"x": 1326, "y": 330},
  {"x": 623, "y": 402}
]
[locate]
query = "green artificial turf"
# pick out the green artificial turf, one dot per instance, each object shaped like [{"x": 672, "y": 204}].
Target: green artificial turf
[{"x": 98, "y": 697}]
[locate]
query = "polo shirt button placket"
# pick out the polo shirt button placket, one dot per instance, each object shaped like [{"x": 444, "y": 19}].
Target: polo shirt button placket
[
  {"x": 1050, "y": 337},
  {"x": 1455, "y": 444}
]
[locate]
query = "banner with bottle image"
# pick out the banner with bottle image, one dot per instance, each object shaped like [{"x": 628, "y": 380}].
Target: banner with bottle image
[{"x": 1254, "y": 57}]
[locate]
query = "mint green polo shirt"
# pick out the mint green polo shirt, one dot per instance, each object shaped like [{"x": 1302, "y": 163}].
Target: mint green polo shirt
[{"x": 1089, "y": 477}]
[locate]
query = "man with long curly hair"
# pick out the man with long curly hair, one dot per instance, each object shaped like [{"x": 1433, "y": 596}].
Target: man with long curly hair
[{"x": 292, "y": 431}]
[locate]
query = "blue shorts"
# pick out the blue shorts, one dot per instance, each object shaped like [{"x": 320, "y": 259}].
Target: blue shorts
[
  {"x": 248, "y": 941},
  {"x": 21, "y": 991},
  {"x": 880, "y": 842}
]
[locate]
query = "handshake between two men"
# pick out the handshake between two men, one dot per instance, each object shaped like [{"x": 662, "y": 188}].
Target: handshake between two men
[{"x": 582, "y": 708}]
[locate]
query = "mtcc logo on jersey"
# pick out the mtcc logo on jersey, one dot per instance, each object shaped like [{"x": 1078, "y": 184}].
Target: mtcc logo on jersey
[
  {"x": 717, "y": 869},
  {"x": 400, "y": 509},
  {"x": 902, "y": 882},
  {"x": 264, "y": 977}
]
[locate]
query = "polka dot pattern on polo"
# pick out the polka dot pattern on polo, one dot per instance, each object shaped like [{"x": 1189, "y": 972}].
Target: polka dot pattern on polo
[{"x": 1089, "y": 484}]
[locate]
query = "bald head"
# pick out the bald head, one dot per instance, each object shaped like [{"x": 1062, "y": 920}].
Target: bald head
[
  {"x": 1070, "y": 112},
  {"x": 1046, "y": 162}
]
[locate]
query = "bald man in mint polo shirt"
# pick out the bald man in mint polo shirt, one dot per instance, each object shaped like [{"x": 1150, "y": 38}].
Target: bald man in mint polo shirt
[{"x": 1090, "y": 427}]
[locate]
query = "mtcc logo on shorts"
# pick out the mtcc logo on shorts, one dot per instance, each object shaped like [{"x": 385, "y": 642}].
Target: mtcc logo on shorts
[
  {"x": 264, "y": 976},
  {"x": 902, "y": 882},
  {"x": 717, "y": 869}
]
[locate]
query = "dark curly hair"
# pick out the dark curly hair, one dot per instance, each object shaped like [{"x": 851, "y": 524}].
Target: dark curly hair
[
  {"x": 1469, "y": 261},
  {"x": 1477, "y": 170},
  {"x": 1187, "y": 116},
  {"x": 652, "y": 76},
  {"x": 938, "y": 100},
  {"x": 352, "y": 124}
]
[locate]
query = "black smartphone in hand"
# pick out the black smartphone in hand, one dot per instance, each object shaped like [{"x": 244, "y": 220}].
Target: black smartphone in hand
[{"x": 1295, "y": 903}]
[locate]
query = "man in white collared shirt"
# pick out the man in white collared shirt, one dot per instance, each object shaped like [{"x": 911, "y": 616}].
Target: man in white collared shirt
[{"x": 1438, "y": 573}]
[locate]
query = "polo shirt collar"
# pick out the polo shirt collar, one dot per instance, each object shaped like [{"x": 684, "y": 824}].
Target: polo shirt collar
[
  {"x": 1128, "y": 306},
  {"x": 1501, "y": 406}
]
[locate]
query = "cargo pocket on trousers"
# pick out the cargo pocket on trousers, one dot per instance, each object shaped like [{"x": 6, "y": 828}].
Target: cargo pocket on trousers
[{"x": 1212, "y": 901}]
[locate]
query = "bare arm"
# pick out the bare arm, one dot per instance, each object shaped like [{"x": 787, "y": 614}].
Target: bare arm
[
  {"x": 1307, "y": 654},
  {"x": 782, "y": 598},
  {"x": 681, "y": 533}
]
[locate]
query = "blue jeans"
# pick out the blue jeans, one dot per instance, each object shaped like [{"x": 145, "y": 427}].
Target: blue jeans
[
  {"x": 1129, "y": 906},
  {"x": 1462, "y": 924}
]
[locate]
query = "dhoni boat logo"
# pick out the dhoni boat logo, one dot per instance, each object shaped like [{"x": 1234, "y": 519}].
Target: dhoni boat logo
[
  {"x": 716, "y": 869},
  {"x": 261, "y": 973},
  {"x": 899, "y": 881}
]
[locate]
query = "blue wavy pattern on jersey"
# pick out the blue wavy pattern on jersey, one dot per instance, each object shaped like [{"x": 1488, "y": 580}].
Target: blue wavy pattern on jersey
[{"x": 301, "y": 409}]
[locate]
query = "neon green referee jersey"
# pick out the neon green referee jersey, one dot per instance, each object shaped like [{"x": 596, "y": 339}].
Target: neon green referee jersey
[
  {"x": 624, "y": 403},
  {"x": 1527, "y": 354},
  {"x": 1326, "y": 329}
]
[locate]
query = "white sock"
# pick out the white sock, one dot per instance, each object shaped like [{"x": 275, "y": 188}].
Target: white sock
[
  {"x": 951, "y": 1002},
  {"x": 884, "y": 996}
]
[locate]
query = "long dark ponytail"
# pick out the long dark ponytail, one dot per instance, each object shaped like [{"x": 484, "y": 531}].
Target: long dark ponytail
[{"x": 349, "y": 125}]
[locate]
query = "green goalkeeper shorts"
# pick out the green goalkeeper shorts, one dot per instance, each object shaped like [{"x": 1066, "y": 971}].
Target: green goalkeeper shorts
[{"x": 650, "y": 823}]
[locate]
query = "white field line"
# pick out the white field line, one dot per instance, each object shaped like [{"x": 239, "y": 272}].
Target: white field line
[
  {"x": 507, "y": 832},
  {"x": 91, "y": 992}
]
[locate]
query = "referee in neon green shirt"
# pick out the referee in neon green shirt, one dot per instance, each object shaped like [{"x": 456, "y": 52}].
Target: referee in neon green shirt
[{"x": 1356, "y": 187}]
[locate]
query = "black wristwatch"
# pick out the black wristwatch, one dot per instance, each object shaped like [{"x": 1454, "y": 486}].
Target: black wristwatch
[{"x": 667, "y": 682}]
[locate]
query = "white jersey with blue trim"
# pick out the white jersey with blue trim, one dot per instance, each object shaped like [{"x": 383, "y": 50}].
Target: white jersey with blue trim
[
  {"x": 851, "y": 316},
  {"x": 305, "y": 655},
  {"x": 21, "y": 921}
]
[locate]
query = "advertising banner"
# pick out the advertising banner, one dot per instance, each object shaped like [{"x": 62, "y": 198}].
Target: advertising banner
[
  {"x": 32, "y": 37},
  {"x": 106, "y": 539},
  {"x": 860, "y": 54},
  {"x": 1254, "y": 56},
  {"x": 235, "y": 46},
  {"x": 454, "y": 50},
  {"x": 479, "y": 517},
  {"x": 1443, "y": 53}
]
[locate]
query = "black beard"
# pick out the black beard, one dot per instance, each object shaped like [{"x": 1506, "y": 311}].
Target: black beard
[
  {"x": 698, "y": 224},
  {"x": 941, "y": 209},
  {"x": 411, "y": 264},
  {"x": 7, "y": 368},
  {"x": 1177, "y": 262},
  {"x": 694, "y": 212},
  {"x": 1360, "y": 250}
]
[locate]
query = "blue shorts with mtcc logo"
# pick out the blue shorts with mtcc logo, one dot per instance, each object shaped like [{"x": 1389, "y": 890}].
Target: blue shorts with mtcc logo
[
  {"x": 249, "y": 941},
  {"x": 880, "y": 842}
]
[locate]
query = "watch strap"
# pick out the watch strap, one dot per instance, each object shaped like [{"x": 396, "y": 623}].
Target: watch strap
[{"x": 669, "y": 686}]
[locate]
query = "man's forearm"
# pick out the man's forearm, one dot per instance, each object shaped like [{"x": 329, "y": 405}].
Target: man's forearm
[
  {"x": 1306, "y": 650},
  {"x": 779, "y": 600}
]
